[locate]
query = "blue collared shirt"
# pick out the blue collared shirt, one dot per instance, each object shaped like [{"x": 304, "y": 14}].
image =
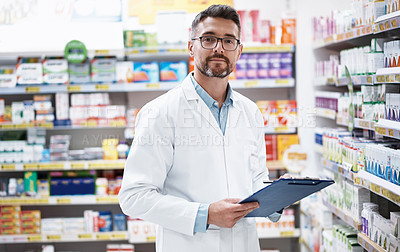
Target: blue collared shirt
[{"x": 221, "y": 116}]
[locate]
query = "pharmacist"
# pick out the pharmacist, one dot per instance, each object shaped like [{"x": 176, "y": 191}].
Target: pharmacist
[{"x": 198, "y": 150}]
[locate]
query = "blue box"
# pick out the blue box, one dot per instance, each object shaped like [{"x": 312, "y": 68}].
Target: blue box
[
  {"x": 72, "y": 186},
  {"x": 105, "y": 221},
  {"x": 173, "y": 71},
  {"x": 146, "y": 72},
  {"x": 119, "y": 222}
]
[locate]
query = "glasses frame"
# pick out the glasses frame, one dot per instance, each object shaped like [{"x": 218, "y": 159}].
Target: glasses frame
[{"x": 216, "y": 44}]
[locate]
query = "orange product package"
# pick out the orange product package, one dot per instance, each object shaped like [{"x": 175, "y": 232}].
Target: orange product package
[
  {"x": 284, "y": 142},
  {"x": 269, "y": 111},
  {"x": 287, "y": 113},
  {"x": 289, "y": 31}
]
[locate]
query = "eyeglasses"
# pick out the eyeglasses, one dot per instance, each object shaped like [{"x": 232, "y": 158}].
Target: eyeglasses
[{"x": 210, "y": 42}]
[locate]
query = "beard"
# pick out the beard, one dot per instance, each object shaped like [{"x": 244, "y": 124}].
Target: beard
[{"x": 217, "y": 71}]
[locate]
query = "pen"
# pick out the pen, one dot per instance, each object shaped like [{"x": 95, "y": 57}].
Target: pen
[{"x": 268, "y": 182}]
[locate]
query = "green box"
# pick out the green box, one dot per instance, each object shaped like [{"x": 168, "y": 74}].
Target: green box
[{"x": 30, "y": 182}]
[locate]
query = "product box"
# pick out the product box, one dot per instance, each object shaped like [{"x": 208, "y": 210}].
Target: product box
[
  {"x": 147, "y": 72},
  {"x": 105, "y": 221},
  {"x": 286, "y": 69},
  {"x": 394, "y": 244},
  {"x": 263, "y": 66},
  {"x": 134, "y": 38},
  {"x": 9, "y": 209},
  {"x": 288, "y": 31},
  {"x": 252, "y": 66},
  {"x": 30, "y": 182},
  {"x": 271, "y": 148},
  {"x": 29, "y": 71},
  {"x": 284, "y": 142},
  {"x": 124, "y": 72},
  {"x": 72, "y": 186},
  {"x": 119, "y": 222},
  {"x": 141, "y": 231},
  {"x": 55, "y": 70},
  {"x": 173, "y": 71},
  {"x": 103, "y": 69},
  {"x": 8, "y": 77},
  {"x": 269, "y": 112},
  {"x": 395, "y": 220},
  {"x": 274, "y": 65},
  {"x": 31, "y": 215},
  {"x": 79, "y": 72},
  {"x": 241, "y": 67},
  {"x": 62, "y": 106},
  {"x": 22, "y": 112},
  {"x": 287, "y": 113}
]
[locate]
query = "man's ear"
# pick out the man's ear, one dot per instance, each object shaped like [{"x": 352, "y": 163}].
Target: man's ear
[
  {"x": 190, "y": 47},
  {"x": 240, "y": 51}
]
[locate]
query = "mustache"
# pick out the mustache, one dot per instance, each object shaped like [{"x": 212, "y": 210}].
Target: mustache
[{"x": 217, "y": 56}]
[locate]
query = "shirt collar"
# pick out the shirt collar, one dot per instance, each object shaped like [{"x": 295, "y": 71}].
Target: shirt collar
[{"x": 209, "y": 101}]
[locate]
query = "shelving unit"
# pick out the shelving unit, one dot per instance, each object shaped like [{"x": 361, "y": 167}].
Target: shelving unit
[{"x": 369, "y": 245}]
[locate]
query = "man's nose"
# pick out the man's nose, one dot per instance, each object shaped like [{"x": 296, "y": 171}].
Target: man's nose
[{"x": 218, "y": 47}]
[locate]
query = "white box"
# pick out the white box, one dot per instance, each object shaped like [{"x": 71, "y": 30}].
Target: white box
[
  {"x": 395, "y": 219},
  {"x": 62, "y": 106}
]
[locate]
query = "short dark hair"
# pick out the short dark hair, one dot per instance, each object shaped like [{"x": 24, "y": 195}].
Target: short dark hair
[{"x": 217, "y": 10}]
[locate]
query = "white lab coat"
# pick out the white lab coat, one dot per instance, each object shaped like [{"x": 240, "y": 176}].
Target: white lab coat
[{"x": 180, "y": 158}]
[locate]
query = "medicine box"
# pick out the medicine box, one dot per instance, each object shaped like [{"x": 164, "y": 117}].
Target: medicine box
[
  {"x": 55, "y": 70},
  {"x": 146, "y": 72},
  {"x": 173, "y": 71},
  {"x": 29, "y": 71},
  {"x": 79, "y": 72},
  {"x": 103, "y": 69},
  {"x": 8, "y": 77},
  {"x": 124, "y": 72}
]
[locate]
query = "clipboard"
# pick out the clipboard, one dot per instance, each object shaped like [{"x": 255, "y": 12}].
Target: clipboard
[{"x": 282, "y": 193}]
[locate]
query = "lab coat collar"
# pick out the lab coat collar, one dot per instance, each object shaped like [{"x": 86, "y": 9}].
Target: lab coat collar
[{"x": 199, "y": 105}]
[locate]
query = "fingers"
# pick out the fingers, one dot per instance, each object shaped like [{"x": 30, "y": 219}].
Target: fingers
[{"x": 246, "y": 206}]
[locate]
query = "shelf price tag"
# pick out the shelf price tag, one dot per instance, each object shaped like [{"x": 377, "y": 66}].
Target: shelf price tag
[
  {"x": 288, "y": 233},
  {"x": 30, "y": 166},
  {"x": 391, "y": 133},
  {"x": 387, "y": 25},
  {"x": 380, "y": 78},
  {"x": 357, "y": 181},
  {"x": 375, "y": 188},
  {"x": 282, "y": 81},
  {"x": 381, "y": 27},
  {"x": 150, "y": 238},
  {"x": 102, "y": 87},
  {"x": 248, "y": 84},
  {"x": 369, "y": 79},
  {"x": 63, "y": 200},
  {"x": 153, "y": 85},
  {"x": 394, "y": 23},
  {"x": 103, "y": 237},
  {"x": 358, "y": 32},
  {"x": 119, "y": 236},
  {"x": 30, "y": 90},
  {"x": 74, "y": 88},
  {"x": 85, "y": 236},
  {"x": 34, "y": 238},
  {"x": 53, "y": 237},
  {"x": 397, "y": 77},
  {"x": 379, "y": 130},
  {"x": 364, "y": 124},
  {"x": 8, "y": 167}
]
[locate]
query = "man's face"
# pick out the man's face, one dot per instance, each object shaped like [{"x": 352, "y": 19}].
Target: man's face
[{"x": 216, "y": 62}]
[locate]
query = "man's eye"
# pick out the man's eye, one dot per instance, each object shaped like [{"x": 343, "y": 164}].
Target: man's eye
[
  {"x": 208, "y": 39},
  {"x": 229, "y": 41}
]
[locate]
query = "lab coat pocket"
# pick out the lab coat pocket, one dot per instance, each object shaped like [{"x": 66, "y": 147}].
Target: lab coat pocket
[{"x": 250, "y": 155}]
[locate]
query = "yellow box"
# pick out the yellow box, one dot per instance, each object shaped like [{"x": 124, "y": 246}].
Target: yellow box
[{"x": 284, "y": 142}]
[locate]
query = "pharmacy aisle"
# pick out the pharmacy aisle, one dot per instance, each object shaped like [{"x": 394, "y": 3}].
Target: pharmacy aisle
[
  {"x": 356, "y": 141},
  {"x": 70, "y": 95}
]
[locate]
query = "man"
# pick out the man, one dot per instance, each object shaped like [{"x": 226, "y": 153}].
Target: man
[{"x": 199, "y": 149}]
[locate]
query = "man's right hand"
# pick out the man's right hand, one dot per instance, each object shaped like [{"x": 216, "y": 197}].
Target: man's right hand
[{"x": 225, "y": 213}]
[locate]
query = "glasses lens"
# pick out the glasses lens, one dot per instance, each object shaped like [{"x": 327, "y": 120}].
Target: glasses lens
[
  {"x": 229, "y": 44},
  {"x": 208, "y": 42}
]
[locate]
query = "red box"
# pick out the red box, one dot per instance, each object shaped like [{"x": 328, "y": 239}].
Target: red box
[{"x": 270, "y": 144}]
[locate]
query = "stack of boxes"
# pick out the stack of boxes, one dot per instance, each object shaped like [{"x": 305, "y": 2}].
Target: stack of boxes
[
  {"x": 14, "y": 221},
  {"x": 59, "y": 145}
]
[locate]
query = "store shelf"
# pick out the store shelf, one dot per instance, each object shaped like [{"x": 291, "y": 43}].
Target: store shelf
[
  {"x": 368, "y": 244},
  {"x": 379, "y": 186},
  {"x": 65, "y": 165},
  {"x": 262, "y": 83},
  {"x": 346, "y": 218},
  {"x": 357, "y": 80},
  {"x": 72, "y": 237},
  {"x": 60, "y": 200},
  {"x": 339, "y": 169},
  {"x": 324, "y": 81},
  {"x": 342, "y": 121},
  {"x": 388, "y": 75},
  {"x": 388, "y": 128},
  {"x": 280, "y": 130},
  {"x": 135, "y": 87},
  {"x": 364, "y": 124},
  {"x": 50, "y": 126},
  {"x": 326, "y": 113},
  {"x": 343, "y": 40},
  {"x": 272, "y": 234},
  {"x": 387, "y": 22},
  {"x": 251, "y": 47}
]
